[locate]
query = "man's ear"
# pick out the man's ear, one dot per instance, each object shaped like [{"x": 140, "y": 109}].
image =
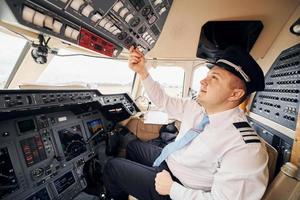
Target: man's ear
[{"x": 236, "y": 94}]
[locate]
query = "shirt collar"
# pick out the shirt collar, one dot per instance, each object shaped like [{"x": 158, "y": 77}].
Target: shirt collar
[{"x": 221, "y": 117}]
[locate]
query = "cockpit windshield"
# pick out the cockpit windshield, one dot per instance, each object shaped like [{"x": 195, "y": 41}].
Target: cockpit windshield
[{"x": 107, "y": 75}]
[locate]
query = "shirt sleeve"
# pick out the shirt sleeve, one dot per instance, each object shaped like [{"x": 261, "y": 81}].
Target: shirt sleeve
[
  {"x": 243, "y": 174},
  {"x": 173, "y": 106}
]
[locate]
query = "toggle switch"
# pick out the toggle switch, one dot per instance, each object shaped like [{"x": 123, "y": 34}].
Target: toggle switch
[
  {"x": 156, "y": 2},
  {"x": 128, "y": 18},
  {"x": 86, "y": 11},
  {"x": 162, "y": 10},
  {"x": 118, "y": 6},
  {"x": 123, "y": 12},
  {"x": 96, "y": 17},
  {"x": 103, "y": 22},
  {"x": 145, "y": 35},
  {"x": 108, "y": 25},
  {"x": 76, "y": 4}
]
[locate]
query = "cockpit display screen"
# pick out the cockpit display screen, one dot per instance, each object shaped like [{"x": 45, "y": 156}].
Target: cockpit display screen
[
  {"x": 94, "y": 126},
  {"x": 26, "y": 125},
  {"x": 64, "y": 182},
  {"x": 33, "y": 150},
  {"x": 8, "y": 181},
  {"x": 72, "y": 141}
]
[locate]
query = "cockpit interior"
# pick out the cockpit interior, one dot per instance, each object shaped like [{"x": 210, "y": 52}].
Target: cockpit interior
[{"x": 69, "y": 102}]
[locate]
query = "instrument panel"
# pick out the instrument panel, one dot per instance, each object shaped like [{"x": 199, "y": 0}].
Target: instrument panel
[
  {"x": 280, "y": 100},
  {"x": 9, "y": 181},
  {"x": 43, "y": 148}
]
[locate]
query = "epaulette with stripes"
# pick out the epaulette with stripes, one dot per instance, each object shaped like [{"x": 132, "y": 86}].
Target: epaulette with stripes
[{"x": 247, "y": 132}]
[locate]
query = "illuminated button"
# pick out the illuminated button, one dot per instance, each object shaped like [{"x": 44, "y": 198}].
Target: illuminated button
[
  {"x": 115, "y": 32},
  {"x": 39, "y": 19},
  {"x": 5, "y": 134},
  {"x": 152, "y": 42},
  {"x": 64, "y": 1},
  {"x": 162, "y": 10},
  {"x": 112, "y": 29},
  {"x": 96, "y": 17},
  {"x": 147, "y": 37},
  {"x": 49, "y": 22},
  {"x": 68, "y": 31},
  {"x": 28, "y": 14},
  {"x": 123, "y": 12},
  {"x": 75, "y": 34},
  {"x": 86, "y": 11},
  {"x": 117, "y": 6},
  {"x": 103, "y": 22},
  {"x": 108, "y": 25},
  {"x": 76, "y": 4},
  {"x": 128, "y": 18},
  {"x": 57, "y": 26}
]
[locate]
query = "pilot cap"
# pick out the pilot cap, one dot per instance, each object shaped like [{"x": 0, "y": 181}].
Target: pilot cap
[{"x": 240, "y": 63}]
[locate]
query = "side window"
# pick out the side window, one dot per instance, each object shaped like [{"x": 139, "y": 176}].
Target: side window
[
  {"x": 170, "y": 78},
  {"x": 10, "y": 48},
  {"x": 198, "y": 75}
]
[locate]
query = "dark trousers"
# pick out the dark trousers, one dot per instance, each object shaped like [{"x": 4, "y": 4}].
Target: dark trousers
[{"x": 135, "y": 175}]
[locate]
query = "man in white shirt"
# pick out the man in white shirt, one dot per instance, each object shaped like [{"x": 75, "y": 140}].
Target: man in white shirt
[{"x": 225, "y": 160}]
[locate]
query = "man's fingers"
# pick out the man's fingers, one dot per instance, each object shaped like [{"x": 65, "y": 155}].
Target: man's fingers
[
  {"x": 131, "y": 49},
  {"x": 138, "y": 51},
  {"x": 134, "y": 60},
  {"x": 136, "y": 54},
  {"x": 135, "y": 51}
]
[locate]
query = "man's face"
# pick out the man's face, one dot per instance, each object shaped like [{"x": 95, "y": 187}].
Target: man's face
[{"x": 216, "y": 88}]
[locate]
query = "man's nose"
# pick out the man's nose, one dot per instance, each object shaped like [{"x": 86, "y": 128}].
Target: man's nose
[{"x": 204, "y": 81}]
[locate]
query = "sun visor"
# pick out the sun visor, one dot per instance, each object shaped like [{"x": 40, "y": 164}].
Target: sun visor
[{"x": 216, "y": 36}]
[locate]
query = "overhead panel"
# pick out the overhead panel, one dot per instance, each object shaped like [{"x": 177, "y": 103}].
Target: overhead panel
[{"x": 103, "y": 26}]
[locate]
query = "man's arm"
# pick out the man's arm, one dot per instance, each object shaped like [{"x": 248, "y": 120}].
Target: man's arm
[
  {"x": 164, "y": 185},
  {"x": 243, "y": 175},
  {"x": 173, "y": 106}
]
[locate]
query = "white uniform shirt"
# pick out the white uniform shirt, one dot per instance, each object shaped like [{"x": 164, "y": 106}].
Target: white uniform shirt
[{"x": 217, "y": 164}]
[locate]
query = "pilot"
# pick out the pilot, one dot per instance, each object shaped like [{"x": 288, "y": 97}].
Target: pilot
[{"x": 216, "y": 155}]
